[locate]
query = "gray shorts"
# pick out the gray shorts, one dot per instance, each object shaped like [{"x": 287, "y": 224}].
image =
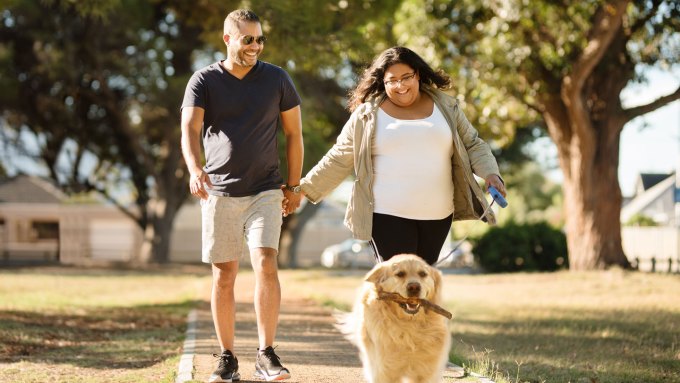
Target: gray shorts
[{"x": 229, "y": 223}]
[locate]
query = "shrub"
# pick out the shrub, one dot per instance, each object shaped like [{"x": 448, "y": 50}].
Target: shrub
[
  {"x": 521, "y": 247},
  {"x": 641, "y": 220}
]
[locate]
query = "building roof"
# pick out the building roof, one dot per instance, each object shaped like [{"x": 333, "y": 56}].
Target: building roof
[
  {"x": 29, "y": 189},
  {"x": 646, "y": 198},
  {"x": 648, "y": 180}
]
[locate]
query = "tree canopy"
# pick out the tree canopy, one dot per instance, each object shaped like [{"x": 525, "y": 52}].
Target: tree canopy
[
  {"x": 99, "y": 85},
  {"x": 567, "y": 63}
]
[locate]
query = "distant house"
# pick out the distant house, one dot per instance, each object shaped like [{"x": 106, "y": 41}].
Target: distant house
[
  {"x": 30, "y": 217},
  {"x": 654, "y": 248},
  {"x": 655, "y": 197},
  {"x": 39, "y": 223}
]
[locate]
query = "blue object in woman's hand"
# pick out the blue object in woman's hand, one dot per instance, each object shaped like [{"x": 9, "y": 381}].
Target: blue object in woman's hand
[{"x": 497, "y": 196}]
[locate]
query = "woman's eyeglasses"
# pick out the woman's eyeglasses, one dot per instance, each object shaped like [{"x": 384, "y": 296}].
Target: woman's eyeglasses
[
  {"x": 403, "y": 81},
  {"x": 248, "y": 39}
]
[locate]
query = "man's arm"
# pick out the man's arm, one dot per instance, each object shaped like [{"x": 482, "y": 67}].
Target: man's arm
[
  {"x": 291, "y": 122},
  {"x": 192, "y": 123}
]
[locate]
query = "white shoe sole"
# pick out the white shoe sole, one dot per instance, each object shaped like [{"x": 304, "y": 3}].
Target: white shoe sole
[
  {"x": 274, "y": 378},
  {"x": 217, "y": 379}
]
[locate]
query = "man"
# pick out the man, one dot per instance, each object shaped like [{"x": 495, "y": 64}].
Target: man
[{"x": 235, "y": 105}]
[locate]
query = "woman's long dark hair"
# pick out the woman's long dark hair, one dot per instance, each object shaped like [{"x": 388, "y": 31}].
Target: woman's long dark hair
[{"x": 371, "y": 83}]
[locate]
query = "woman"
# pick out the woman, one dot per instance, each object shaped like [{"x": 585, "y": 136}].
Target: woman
[{"x": 413, "y": 153}]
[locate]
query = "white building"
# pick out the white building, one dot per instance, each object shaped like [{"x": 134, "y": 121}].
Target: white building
[{"x": 657, "y": 197}]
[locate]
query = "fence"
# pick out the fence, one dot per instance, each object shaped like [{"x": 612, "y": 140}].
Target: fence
[{"x": 652, "y": 248}]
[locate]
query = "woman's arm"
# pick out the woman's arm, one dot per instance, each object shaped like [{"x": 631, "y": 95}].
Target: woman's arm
[{"x": 334, "y": 167}]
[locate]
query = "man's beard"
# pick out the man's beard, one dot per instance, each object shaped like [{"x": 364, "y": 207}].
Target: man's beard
[{"x": 240, "y": 59}]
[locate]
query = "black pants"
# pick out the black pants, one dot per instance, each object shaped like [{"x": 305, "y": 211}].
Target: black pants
[{"x": 395, "y": 235}]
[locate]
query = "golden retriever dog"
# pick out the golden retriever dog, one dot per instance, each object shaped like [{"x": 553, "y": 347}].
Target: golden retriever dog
[{"x": 399, "y": 342}]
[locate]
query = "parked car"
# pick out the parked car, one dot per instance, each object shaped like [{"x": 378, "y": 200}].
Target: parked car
[
  {"x": 350, "y": 253},
  {"x": 455, "y": 255},
  {"x": 356, "y": 254}
]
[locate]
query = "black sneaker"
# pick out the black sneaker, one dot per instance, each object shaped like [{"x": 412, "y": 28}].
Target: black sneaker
[
  {"x": 227, "y": 368},
  {"x": 268, "y": 366}
]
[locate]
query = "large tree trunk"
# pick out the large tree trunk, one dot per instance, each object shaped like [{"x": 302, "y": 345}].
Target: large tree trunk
[
  {"x": 593, "y": 226},
  {"x": 589, "y": 158},
  {"x": 162, "y": 234},
  {"x": 582, "y": 119},
  {"x": 157, "y": 233},
  {"x": 291, "y": 231}
]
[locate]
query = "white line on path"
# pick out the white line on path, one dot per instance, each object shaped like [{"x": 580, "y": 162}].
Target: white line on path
[{"x": 185, "y": 369}]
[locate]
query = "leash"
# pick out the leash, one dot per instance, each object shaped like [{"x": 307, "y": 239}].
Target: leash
[{"x": 496, "y": 196}]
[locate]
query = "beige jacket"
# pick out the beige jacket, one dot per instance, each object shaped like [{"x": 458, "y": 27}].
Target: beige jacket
[{"x": 352, "y": 154}]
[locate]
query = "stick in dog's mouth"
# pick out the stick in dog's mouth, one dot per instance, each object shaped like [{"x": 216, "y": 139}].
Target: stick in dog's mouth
[{"x": 412, "y": 305}]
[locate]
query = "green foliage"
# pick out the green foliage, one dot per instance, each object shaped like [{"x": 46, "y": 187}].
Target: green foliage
[
  {"x": 452, "y": 36},
  {"x": 566, "y": 63},
  {"x": 641, "y": 220},
  {"x": 534, "y": 197},
  {"x": 98, "y": 85},
  {"x": 521, "y": 247}
]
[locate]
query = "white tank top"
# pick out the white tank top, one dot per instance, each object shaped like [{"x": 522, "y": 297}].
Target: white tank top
[{"x": 412, "y": 166}]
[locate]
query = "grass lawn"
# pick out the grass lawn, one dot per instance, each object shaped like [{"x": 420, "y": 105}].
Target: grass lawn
[
  {"x": 574, "y": 327},
  {"x": 87, "y": 325}
]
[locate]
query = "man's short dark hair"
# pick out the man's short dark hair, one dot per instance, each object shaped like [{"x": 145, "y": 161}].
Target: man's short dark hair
[{"x": 232, "y": 19}]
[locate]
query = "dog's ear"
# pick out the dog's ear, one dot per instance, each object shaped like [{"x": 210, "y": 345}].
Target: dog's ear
[
  {"x": 437, "y": 277},
  {"x": 376, "y": 275}
]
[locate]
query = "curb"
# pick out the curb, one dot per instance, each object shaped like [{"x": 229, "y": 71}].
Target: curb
[{"x": 185, "y": 370}]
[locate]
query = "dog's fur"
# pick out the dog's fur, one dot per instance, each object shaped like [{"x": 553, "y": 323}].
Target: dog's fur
[{"x": 399, "y": 343}]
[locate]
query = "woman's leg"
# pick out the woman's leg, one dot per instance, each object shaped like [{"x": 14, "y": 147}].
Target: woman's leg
[
  {"x": 431, "y": 237},
  {"x": 394, "y": 235}
]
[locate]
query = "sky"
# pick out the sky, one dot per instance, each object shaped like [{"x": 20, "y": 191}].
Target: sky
[{"x": 649, "y": 143}]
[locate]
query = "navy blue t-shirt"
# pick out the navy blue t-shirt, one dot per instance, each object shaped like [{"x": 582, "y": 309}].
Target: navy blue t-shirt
[{"x": 240, "y": 125}]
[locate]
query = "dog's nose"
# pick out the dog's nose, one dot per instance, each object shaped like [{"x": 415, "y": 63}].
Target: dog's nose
[{"x": 413, "y": 289}]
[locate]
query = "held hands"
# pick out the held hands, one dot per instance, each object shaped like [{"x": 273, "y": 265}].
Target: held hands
[
  {"x": 495, "y": 181},
  {"x": 291, "y": 201},
  {"x": 197, "y": 184}
]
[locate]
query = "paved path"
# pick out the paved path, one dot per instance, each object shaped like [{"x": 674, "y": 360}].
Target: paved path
[{"x": 307, "y": 342}]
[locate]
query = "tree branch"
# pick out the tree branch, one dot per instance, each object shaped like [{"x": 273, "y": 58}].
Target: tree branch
[
  {"x": 607, "y": 21},
  {"x": 631, "y": 113},
  {"x": 521, "y": 97}
]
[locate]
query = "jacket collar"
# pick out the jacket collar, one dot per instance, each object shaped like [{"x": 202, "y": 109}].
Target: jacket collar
[
  {"x": 371, "y": 105},
  {"x": 439, "y": 97}
]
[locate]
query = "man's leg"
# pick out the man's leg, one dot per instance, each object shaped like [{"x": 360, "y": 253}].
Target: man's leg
[
  {"x": 267, "y": 305},
  {"x": 223, "y": 307},
  {"x": 267, "y": 294},
  {"x": 223, "y": 303},
  {"x": 263, "y": 229}
]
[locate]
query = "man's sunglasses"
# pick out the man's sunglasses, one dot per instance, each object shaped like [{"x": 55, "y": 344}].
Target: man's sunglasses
[{"x": 248, "y": 39}]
